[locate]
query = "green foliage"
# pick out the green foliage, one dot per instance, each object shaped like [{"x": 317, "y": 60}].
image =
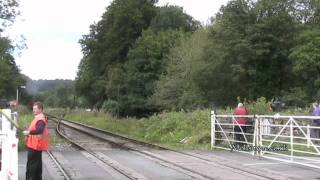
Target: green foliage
[
  {"x": 54, "y": 93},
  {"x": 174, "y": 127},
  {"x": 111, "y": 107},
  {"x": 178, "y": 89},
  {"x": 10, "y": 77},
  {"x": 249, "y": 51},
  {"x": 170, "y": 17},
  {"x": 24, "y": 121},
  {"x": 296, "y": 97},
  {"x": 226, "y": 55},
  {"x": 146, "y": 59},
  {"x": 107, "y": 46},
  {"x": 146, "y": 62},
  {"x": 306, "y": 62},
  {"x": 261, "y": 106},
  {"x": 125, "y": 54}
]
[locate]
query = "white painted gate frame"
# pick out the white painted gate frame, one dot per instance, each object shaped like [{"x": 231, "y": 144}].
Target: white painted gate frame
[
  {"x": 9, "y": 146},
  {"x": 262, "y": 128}
]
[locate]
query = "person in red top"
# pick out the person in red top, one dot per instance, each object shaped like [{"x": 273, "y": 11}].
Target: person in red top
[
  {"x": 240, "y": 122},
  {"x": 37, "y": 140}
]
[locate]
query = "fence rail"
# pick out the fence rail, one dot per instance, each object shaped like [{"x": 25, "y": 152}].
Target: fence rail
[{"x": 293, "y": 139}]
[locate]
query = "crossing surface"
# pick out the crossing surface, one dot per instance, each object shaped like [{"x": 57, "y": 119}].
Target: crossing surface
[{"x": 80, "y": 166}]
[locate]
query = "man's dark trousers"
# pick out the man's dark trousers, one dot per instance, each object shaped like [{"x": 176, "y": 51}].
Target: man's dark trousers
[{"x": 34, "y": 165}]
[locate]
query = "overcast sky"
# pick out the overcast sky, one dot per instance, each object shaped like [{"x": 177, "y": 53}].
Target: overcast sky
[{"x": 52, "y": 29}]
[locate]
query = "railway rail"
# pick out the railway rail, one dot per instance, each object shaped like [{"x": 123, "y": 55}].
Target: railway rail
[
  {"x": 63, "y": 172},
  {"x": 101, "y": 138}
]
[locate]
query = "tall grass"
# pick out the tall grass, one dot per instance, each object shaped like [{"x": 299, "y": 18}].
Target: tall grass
[
  {"x": 24, "y": 121},
  {"x": 171, "y": 129}
]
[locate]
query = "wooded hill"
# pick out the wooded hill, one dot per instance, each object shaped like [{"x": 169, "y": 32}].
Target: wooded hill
[{"x": 53, "y": 93}]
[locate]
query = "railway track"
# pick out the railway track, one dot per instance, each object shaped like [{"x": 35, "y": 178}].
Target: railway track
[
  {"x": 94, "y": 141},
  {"x": 63, "y": 172}
]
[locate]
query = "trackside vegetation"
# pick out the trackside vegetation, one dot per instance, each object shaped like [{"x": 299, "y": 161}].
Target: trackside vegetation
[
  {"x": 176, "y": 129},
  {"x": 172, "y": 129}
]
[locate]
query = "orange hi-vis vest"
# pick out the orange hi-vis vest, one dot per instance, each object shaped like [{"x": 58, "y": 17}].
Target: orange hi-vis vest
[{"x": 38, "y": 142}]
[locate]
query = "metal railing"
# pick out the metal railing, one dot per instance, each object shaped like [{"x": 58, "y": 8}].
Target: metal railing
[
  {"x": 8, "y": 145},
  {"x": 293, "y": 139}
]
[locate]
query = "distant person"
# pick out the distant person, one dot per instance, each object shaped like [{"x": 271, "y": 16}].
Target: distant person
[
  {"x": 277, "y": 105},
  {"x": 315, "y": 133},
  {"x": 37, "y": 140},
  {"x": 240, "y": 122},
  {"x": 13, "y": 104}
]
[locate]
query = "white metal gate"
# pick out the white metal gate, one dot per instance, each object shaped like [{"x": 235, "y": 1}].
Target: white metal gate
[
  {"x": 8, "y": 145},
  {"x": 285, "y": 138}
]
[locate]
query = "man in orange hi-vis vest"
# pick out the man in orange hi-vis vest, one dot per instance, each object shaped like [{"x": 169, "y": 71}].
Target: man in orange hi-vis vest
[{"x": 37, "y": 140}]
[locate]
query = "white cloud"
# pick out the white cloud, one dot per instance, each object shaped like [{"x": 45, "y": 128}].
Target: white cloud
[
  {"x": 52, "y": 30},
  {"x": 53, "y": 27},
  {"x": 51, "y": 59}
]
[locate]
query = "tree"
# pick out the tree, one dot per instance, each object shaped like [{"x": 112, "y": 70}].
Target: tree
[
  {"x": 225, "y": 75},
  {"x": 178, "y": 88},
  {"x": 306, "y": 62},
  {"x": 8, "y": 12},
  {"x": 147, "y": 59},
  {"x": 251, "y": 41},
  {"x": 107, "y": 46},
  {"x": 10, "y": 77},
  {"x": 170, "y": 17},
  {"x": 146, "y": 62},
  {"x": 272, "y": 36}
]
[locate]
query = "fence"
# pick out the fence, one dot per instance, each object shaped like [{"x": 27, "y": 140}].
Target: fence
[
  {"x": 8, "y": 145},
  {"x": 293, "y": 139}
]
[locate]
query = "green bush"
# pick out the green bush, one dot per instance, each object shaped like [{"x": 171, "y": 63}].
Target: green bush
[
  {"x": 261, "y": 106},
  {"x": 111, "y": 107}
]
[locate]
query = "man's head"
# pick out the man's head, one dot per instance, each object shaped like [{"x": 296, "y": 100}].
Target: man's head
[{"x": 37, "y": 108}]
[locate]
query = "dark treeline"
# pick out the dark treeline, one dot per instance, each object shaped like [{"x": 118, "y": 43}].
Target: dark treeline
[
  {"x": 44, "y": 85},
  {"x": 140, "y": 58},
  {"x": 53, "y": 93}
]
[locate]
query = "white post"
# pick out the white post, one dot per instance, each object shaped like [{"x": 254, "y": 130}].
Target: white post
[
  {"x": 308, "y": 136},
  {"x": 255, "y": 134},
  {"x": 260, "y": 134},
  {"x": 213, "y": 129},
  {"x": 291, "y": 137},
  {"x": 6, "y": 126}
]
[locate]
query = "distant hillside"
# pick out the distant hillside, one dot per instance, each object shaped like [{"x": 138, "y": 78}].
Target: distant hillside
[{"x": 38, "y": 86}]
